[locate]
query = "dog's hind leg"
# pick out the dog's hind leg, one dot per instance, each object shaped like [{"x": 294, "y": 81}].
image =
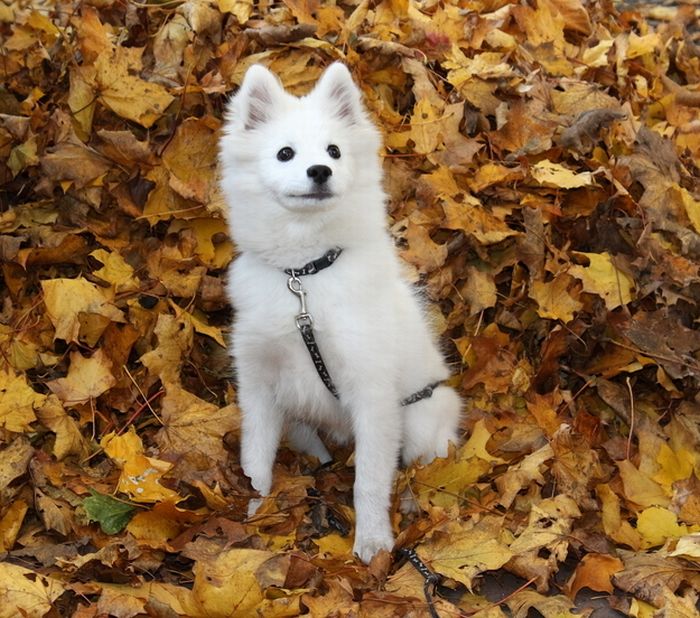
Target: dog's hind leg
[{"x": 304, "y": 438}]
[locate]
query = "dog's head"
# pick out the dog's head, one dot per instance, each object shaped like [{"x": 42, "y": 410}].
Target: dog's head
[{"x": 306, "y": 152}]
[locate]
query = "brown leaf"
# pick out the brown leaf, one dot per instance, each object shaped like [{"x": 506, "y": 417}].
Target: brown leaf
[{"x": 595, "y": 571}]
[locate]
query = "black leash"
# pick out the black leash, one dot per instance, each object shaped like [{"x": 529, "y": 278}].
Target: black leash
[
  {"x": 305, "y": 322},
  {"x": 430, "y": 579}
]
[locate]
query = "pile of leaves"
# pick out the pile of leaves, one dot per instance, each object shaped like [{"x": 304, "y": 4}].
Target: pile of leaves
[{"x": 542, "y": 164}]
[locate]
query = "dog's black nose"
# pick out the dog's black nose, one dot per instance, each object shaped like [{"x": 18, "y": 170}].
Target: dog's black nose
[{"x": 319, "y": 173}]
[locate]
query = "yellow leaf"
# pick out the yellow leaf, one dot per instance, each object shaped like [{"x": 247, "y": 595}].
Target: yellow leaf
[
  {"x": 554, "y": 300},
  {"x": 603, "y": 278},
  {"x": 675, "y": 465},
  {"x": 443, "y": 481},
  {"x": 157, "y": 527},
  {"x": 688, "y": 547},
  {"x": 639, "y": 488},
  {"x": 115, "y": 270},
  {"x": 69, "y": 440},
  {"x": 640, "y": 609},
  {"x": 463, "y": 551},
  {"x": 10, "y": 524},
  {"x": 87, "y": 378},
  {"x": 476, "y": 445},
  {"x": 522, "y": 474},
  {"x": 692, "y": 208},
  {"x": 18, "y": 401},
  {"x": 14, "y": 460},
  {"x": 425, "y": 127},
  {"x": 124, "y": 92},
  {"x": 240, "y": 9},
  {"x": 476, "y": 220},
  {"x": 66, "y": 299},
  {"x": 193, "y": 431},
  {"x": 555, "y": 175},
  {"x": 190, "y": 157},
  {"x": 174, "y": 341},
  {"x": 549, "y": 525},
  {"x": 21, "y": 355},
  {"x": 642, "y": 45},
  {"x": 423, "y": 252},
  {"x": 656, "y": 524},
  {"x": 140, "y": 476},
  {"x": 614, "y": 526},
  {"x": 597, "y": 56},
  {"x": 493, "y": 173},
  {"x": 479, "y": 290},
  {"x": 25, "y": 592},
  {"x": 234, "y": 583},
  {"x": 549, "y": 606},
  {"x": 334, "y": 545},
  {"x": 178, "y": 599},
  {"x": 82, "y": 99},
  {"x": 215, "y": 254}
]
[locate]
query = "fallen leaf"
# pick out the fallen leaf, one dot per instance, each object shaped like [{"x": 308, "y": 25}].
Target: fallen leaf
[
  {"x": 463, "y": 551},
  {"x": 113, "y": 515},
  {"x": 229, "y": 584},
  {"x": 67, "y": 299},
  {"x": 553, "y": 174},
  {"x": 87, "y": 378},
  {"x": 603, "y": 278},
  {"x": 594, "y": 572},
  {"x": 522, "y": 474},
  {"x": 19, "y": 402},
  {"x": 69, "y": 440},
  {"x": 140, "y": 475},
  {"x": 26, "y": 591},
  {"x": 556, "y": 299},
  {"x": 11, "y": 523}
]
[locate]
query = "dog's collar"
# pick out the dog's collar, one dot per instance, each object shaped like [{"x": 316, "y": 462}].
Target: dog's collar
[{"x": 314, "y": 266}]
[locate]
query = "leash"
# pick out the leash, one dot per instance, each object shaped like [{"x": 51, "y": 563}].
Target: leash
[{"x": 305, "y": 322}]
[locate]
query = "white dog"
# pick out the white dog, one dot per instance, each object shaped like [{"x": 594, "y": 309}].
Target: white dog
[{"x": 326, "y": 334}]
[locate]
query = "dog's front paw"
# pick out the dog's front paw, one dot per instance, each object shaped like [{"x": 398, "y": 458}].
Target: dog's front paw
[{"x": 368, "y": 545}]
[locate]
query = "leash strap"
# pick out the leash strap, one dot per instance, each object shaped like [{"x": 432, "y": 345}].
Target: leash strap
[
  {"x": 424, "y": 393},
  {"x": 307, "y": 334},
  {"x": 305, "y": 322}
]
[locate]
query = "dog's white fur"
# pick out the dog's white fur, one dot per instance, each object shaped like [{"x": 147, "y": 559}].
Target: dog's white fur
[{"x": 368, "y": 323}]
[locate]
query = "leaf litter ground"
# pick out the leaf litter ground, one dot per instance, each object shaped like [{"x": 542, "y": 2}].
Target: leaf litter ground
[{"x": 542, "y": 162}]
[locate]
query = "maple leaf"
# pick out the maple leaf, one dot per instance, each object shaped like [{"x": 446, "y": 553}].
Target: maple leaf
[
  {"x": 27, "y": 591},
  {"x": 87, "y": 378},
  {"x": 462, "y": 551},
  {"x": 18, "y": 403},
  {"x": 67, "y": 299},
  {"x": 140, "y": 475}
]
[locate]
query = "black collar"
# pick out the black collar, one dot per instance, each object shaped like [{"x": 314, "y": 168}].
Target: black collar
[{"x": 315, "y": 266}]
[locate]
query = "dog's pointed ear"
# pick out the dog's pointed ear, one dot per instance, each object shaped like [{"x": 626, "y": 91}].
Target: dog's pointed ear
[
  {"x": 258, "y": 95},
  {"x": 337, "y": 87}
]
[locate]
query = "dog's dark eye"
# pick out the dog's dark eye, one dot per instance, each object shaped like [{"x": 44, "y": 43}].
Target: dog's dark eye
[
  {"x": 285, "y": 154},
  {"x": 333, "y": 151}
]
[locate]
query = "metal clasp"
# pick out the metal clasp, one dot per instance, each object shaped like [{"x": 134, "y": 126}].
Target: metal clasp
[{"x": 303, "y": 318}]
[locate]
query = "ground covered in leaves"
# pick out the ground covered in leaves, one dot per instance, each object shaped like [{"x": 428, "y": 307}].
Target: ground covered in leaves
[{"x": 542, "y": 161}]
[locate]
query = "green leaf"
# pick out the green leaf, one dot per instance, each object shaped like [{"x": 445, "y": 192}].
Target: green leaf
[{"x": 112, "y": 514}]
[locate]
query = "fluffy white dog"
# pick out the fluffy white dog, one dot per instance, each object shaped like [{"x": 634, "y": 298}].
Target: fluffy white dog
[{"x": 326, "y": 334}]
